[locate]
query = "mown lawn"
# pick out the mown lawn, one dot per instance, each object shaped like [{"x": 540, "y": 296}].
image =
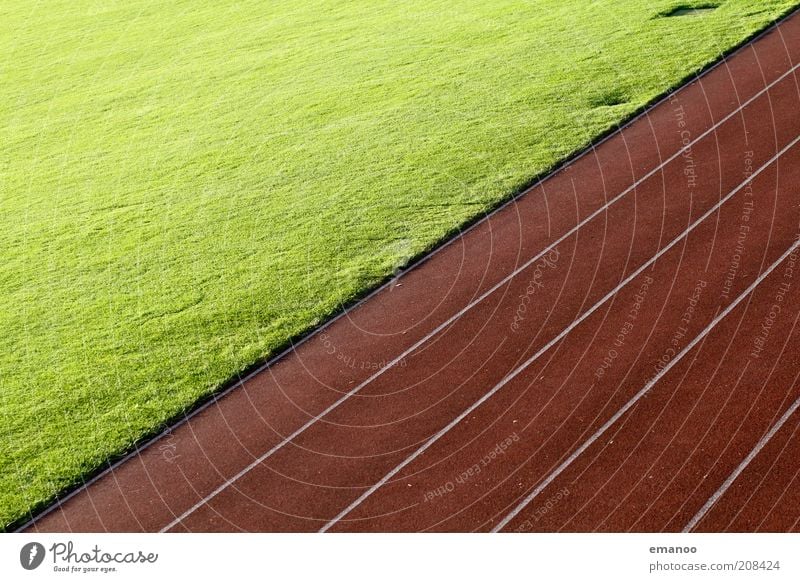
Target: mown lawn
[{"x": 185, "y": 185}]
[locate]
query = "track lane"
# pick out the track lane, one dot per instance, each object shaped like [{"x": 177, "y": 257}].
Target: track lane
[
  {"x": 554, "y": 412},
  {"x": 764, "y": 495},
  {"x": 671, "y": 452}
]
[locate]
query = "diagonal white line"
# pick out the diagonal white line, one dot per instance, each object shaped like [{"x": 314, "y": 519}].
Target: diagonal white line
[
  {"x": 475, "y": 302},
  {"x": 647, "y": 387},
  {"x": 558, "y": 338},
  {"x": 742, "y": 466}
]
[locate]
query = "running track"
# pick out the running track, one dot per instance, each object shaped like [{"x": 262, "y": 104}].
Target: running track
[{"x": 615, "y": 350}]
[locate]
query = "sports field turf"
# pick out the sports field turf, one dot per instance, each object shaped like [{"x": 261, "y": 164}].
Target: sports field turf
[{"x": 186, "y": 185}]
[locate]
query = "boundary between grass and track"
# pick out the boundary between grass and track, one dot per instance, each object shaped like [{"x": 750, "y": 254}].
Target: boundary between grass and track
[
  {"x": 610, "y": 295},
  {"x": 44, "y": 508},
  {"x": 505, "y": 280}
]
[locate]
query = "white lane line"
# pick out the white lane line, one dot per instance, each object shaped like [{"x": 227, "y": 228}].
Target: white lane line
[
  {"x": 558, "y": 338},
  {"x": 742, "y": 466},
  {"x": 475, "y": 302},
  {"x": 647, "y": 387}
]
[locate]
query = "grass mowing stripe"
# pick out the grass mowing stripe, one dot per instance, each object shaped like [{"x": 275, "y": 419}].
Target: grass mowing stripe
[{"x": 183, "y": 187}]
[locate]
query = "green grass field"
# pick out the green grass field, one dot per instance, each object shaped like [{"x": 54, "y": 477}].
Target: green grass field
[{"x": 185, "y": 186}]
